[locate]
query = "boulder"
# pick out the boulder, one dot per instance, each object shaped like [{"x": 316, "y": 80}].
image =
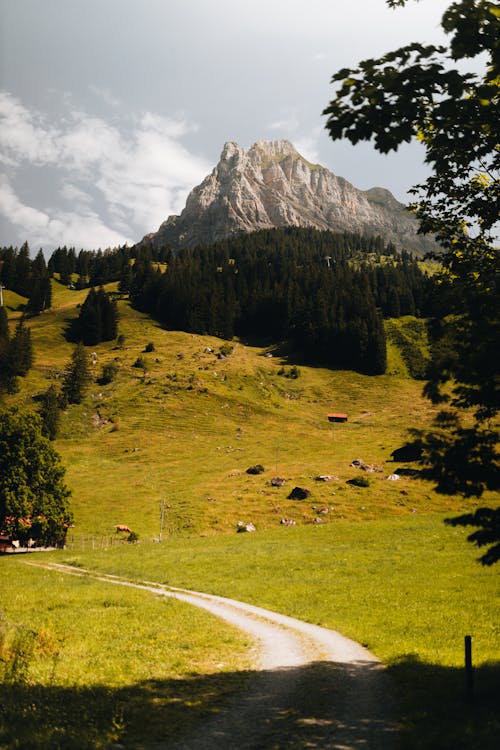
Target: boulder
[
  {"x": 299, "y": 493},
  {"x": 278, "y": 482},
  {"x": 245, "y": 526}
]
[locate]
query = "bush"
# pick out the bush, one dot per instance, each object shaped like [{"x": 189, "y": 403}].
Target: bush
[
  {"x": 226, "y": 349},
  {"x": 109, "y": 373},
  {"x": 141, "y": 363},
  {"x": 150, "y": 347},
  {"x": 293, "y": 373},
  {"x": 359, "y": 481},
  {"x": 257, "y": 469}
]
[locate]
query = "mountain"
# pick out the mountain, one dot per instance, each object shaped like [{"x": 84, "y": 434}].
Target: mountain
[{"x": 271, "y": 185}]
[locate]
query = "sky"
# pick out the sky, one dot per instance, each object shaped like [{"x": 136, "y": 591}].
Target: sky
[{"x": 111, "y": 111}]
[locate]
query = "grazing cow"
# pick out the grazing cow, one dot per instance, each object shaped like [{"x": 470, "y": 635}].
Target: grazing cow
[{"x": 122, "y": 527}]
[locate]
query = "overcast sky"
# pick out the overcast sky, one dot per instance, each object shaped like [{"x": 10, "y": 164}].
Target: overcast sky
[{"x": 111, "y": 111}]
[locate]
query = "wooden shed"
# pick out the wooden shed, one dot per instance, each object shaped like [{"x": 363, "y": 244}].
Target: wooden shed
[
  {"x": 5, "y": 543},
  {"x": 338, "y": 417}
]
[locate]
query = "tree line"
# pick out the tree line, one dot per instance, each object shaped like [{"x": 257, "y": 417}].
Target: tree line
[
  {"x": 316, "y": 290},
  {"x": 325, "y": 293}
]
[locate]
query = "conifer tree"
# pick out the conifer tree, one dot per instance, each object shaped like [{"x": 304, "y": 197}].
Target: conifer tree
[
  {"x": 21, "y": 350},
  {"x": 77, "y": 377},
  {"x": 50, "y": 412},
  {"x": 4, "y": 350}
]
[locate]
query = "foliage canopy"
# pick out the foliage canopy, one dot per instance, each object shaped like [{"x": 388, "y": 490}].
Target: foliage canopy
[{"x": 34, "y": 501}]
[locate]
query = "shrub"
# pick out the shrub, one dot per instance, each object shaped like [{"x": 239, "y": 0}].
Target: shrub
[
  {"x": 141, "y": 363},
  {"x": 257, "y": 469},
  {"x": 226, "y": 349},
  {"x": 359, "y": 481},
  {"x": 150, "y": 347},
  {"x": 109, "y": 373}
]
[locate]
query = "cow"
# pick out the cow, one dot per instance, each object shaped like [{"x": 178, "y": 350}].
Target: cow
[{"x": 122, "y": 527}]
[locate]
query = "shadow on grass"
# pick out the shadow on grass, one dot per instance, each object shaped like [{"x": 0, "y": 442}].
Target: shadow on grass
[
  {"x": 313, "y": 706},
  {"x": 322, "y": 705},
  {"x": 435, "y": 711}
]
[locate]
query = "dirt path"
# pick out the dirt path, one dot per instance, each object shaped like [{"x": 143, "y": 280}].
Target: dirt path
[{"x": 314, "y": 688}]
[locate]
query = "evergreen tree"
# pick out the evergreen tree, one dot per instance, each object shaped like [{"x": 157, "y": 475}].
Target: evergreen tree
[
  {"x": 98, "y": 319},
  {"x": 77, "y": 377},
  {"x": 40, "y": 290},
  {"x": 109, "y": 316},
  {"x": 21, "y": 275},
  {"x": 20, "y": 359},
  {"x": 50, "y": 413},
  {"x": 4, "y": 350}
]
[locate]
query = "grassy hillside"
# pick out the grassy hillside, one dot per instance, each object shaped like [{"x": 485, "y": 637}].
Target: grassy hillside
[
  {"x": 375, "y": 562},
  {"x": 186, "y": 429}
]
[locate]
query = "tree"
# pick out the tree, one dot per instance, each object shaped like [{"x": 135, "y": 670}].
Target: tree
[
  {"x": 4, "y": 341},
  {"x": 50, "y": 412},
  {"x": 34, "y": 501},
  {"x": 77, "y": 376},
  {"x": 21, "y": 350},
  {"x": 417, "y": 92},
  {"x": 98, "y": 319},
  {"x": 40, "y": 293}
]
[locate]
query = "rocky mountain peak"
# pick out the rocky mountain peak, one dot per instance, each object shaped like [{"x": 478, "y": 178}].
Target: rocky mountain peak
[{"x": 272, "y": 185}]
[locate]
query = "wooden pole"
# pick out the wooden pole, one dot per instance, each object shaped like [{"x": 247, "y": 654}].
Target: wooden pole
[
  {"x": 469, "y": 674},
  {"x": 162, "y": 517}
]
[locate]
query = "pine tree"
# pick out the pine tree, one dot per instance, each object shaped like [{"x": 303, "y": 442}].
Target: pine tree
[
  {"x": 50, "y": 413},
  {"x": 89, "y": 326},
  {"x": 77, "y": 377},
  {"x": 40, "y": 290},
  {"x": 20, "y": 357},
  {"x": 4, "y": 350},
  {"x": 109, "y": 316}
]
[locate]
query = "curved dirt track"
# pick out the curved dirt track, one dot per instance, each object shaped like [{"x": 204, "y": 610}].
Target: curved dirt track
[{"x": 312, "y": 688}]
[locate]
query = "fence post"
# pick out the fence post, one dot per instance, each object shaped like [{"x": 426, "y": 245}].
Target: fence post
[{"x": 469, "y": 675}]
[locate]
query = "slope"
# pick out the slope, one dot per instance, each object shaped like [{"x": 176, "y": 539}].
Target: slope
[{"x": 185, "y": 430}]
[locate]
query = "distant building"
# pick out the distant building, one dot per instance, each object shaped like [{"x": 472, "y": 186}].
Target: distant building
[{"x": 337, "y": 417}]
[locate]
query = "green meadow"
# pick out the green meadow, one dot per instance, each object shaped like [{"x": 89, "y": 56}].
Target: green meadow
[{"x": 376, "y": 562}]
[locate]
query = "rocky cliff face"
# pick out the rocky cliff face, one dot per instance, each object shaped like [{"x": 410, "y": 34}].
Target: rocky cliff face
[{"x": 272, "y": 185}]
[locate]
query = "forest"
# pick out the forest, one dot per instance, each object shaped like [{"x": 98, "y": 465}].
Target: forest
[{"x": 324, "y": 294}]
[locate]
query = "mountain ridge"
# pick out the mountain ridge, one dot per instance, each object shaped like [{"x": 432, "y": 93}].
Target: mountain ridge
[{"x": 272, "y": 185}]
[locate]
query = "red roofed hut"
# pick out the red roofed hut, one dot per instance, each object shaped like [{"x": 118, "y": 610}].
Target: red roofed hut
[{"x": 337, "y": 417}]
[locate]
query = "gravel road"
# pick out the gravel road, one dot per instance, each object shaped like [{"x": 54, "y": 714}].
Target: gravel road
[{"x": 312, "y": 688}]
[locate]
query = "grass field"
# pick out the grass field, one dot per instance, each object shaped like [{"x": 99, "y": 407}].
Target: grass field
[
  {"x": 186, "y": 430},
  {"x": 375, "y": 562},
  {"x": 408, "y": 588}
]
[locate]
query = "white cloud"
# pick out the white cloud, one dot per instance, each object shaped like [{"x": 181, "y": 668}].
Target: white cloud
[
  {"x": 24, "y": 136},
  {"x": 105, "y": 95},
  {"x": 53, "y": 228},
  {"x": 289, "y": 126},
  {"x": 74, "y": 195},
  {"x": 308, "y": 145},
  {"x": 140, "y": 170}
]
